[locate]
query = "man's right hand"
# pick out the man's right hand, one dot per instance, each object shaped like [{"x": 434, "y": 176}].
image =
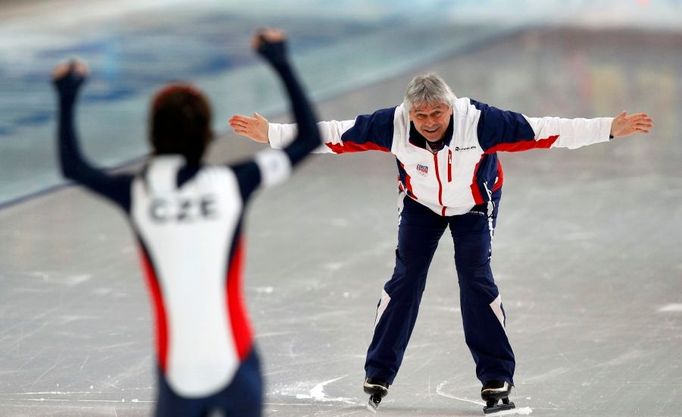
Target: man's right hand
[{"x": 254, "y": 128}]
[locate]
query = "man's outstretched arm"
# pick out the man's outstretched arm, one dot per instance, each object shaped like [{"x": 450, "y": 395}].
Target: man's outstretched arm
[
  {"x": 574, "y": 133},
  {"x": 500, "y": 130},
  {"x": 368, "y": 132}
]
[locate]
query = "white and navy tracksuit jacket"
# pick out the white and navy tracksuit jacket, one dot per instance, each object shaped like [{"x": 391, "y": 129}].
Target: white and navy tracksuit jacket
[
  {"x": 466, "y": 171},
  {"x": 188, "y": 222},
  {"x": 456, "y": 187}
]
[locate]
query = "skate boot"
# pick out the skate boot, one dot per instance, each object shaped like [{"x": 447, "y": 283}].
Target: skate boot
[
  {"x": 492, "y": 393},
  {"x": 377, "y": 390}
]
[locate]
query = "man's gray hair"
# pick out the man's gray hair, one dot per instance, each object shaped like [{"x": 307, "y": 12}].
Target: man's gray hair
[{"x": 427, "y": 89}]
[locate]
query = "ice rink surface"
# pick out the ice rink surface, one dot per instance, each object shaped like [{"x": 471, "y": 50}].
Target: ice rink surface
[{"x": 587, "y": 254}]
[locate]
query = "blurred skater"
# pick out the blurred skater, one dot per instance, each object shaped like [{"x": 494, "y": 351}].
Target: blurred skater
[{"x": 187, "y": 218}]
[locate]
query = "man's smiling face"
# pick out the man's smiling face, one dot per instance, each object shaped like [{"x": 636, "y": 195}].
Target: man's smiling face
[{"x": 431, "y": 120}]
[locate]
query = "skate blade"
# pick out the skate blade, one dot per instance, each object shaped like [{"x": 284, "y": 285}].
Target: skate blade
[
  {"x": 498, "y": 408},
  {"x": 373, "y": 404},
  {"x": 371, "y": 407}
]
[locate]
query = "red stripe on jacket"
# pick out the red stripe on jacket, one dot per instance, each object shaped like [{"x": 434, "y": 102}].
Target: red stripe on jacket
[
  {"x": 159, "y": 308},
  {"x": 475, "y": 192},
  {"x": 347, "y": 147},
  {"x": 500, "y": 177},
  {"x": 408, "y": 182},
  {"x": 238, "y": 318},
  {"x": 524, "y": 145}
]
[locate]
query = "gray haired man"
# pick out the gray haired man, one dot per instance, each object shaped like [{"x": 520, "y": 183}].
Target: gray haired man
[{"x": 449, "y": 177}]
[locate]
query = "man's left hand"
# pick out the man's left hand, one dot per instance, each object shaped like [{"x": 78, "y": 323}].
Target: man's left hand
[{"x": 628, "y": 124}]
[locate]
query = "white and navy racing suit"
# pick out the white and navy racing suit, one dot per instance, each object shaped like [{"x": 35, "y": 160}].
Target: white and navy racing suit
[
  {"x": 457, "y": 187},
  {"x": 188, "y": 222}
]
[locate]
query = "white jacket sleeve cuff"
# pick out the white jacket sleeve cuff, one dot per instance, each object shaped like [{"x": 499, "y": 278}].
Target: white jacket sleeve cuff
[{"x": 280, "y": 135}]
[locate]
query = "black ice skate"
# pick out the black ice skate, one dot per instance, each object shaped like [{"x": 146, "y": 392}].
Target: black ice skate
[
  {"x": 376, "y": 390},
  {"x": 492, "y": 393}
]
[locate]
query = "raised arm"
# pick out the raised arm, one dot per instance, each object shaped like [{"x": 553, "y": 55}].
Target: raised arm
[
  {"x": 270, "y": 44},
  {"x": 272, "y": 166},
  {"x": 68, "y": 79}
]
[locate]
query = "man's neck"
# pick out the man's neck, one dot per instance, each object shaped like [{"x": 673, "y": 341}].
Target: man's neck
[{"x": 435, "y": 146}]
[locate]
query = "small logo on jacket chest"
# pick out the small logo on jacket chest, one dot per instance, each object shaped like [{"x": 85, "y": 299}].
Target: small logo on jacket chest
[{"x": 422, "y": 169}]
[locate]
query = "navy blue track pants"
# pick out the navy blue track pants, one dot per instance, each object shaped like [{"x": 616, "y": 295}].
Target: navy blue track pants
[
  {"x": 483, "y": 317},
  {"x": 243, "y": 397}
]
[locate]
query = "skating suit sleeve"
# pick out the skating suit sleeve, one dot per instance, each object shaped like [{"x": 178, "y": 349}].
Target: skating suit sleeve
[
  {"x": 369, "y": 132},
  {"x": 273, "y": 166},
  {"x": 501, "y": 130},
  {"x": 115, "y": 188}
]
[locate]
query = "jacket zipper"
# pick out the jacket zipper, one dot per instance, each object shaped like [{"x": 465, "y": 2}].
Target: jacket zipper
[{"x": 440, "y": 184}]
